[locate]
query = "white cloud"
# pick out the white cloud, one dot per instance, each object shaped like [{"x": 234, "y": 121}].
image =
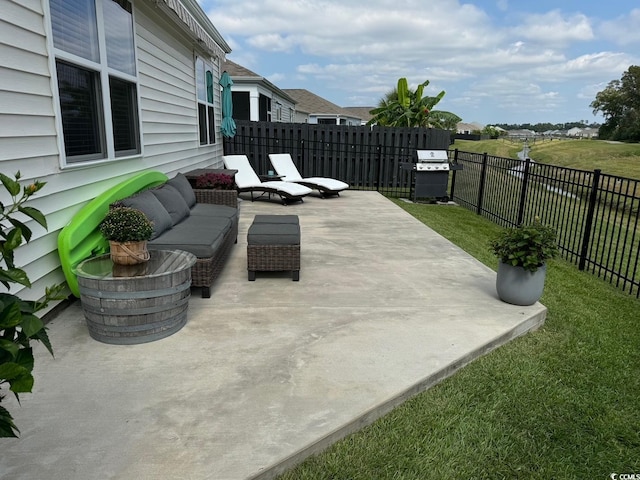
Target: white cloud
[
  {"x": 554, "y": 28},
  {"x": 594, "y": 65},
  {"x": 624, "y": 30}
]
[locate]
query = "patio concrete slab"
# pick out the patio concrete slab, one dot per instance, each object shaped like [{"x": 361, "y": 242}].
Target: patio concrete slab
[{"x": 266, "y": 373}]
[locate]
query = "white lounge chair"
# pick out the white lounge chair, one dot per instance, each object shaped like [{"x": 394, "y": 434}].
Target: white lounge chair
[
  {"x": 248, "y": 181},
  {"x": 284, "y": 166}
]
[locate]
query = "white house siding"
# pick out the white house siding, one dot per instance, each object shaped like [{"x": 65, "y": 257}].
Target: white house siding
[
  {"x": 28, "y": 137},
  {"x": 28, "y": 127},
  {"x": 287, "y": 109},
  {"x": 168, "y": 98}
]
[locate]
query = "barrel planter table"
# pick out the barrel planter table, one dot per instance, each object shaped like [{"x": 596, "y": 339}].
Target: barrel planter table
[{"x": 133, "y": 304}]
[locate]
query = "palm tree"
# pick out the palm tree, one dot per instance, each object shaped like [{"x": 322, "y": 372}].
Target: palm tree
[{"x": 403, "y": 107}]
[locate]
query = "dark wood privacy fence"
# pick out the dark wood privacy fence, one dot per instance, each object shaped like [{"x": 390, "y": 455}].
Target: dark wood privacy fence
[{"x": 364, "y": 157}]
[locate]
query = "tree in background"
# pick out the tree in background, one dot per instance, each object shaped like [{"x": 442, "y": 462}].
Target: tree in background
[
  {"x": 403, "y": 107},
  {"x": 619, "y": 103},
  {"x": 493, "y": 132}
]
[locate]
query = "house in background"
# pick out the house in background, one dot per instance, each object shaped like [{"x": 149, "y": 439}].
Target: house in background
[
  {"x": 587, "y": 132},
  {"x": 310, "y": 108},
  {"x": 469, "y": 128},
  {"x": 96, "y": 91},
  {"x": 257, "y": 99},
  {"x": 362, "y": 112}
]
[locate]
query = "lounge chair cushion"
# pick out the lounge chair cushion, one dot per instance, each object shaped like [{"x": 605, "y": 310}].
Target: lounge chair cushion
[
  {"x": 247, "y": 179},
  {"x": 148, "y": 204},
  {"x": 173, "y": 202},
  {"x": 324, "y": 183},
  {"x": 180, "y": 183},
  {"x": 283, "y": 164}
]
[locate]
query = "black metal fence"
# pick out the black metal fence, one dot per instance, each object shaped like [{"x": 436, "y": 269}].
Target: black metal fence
[{"x": 595, "y": 214}]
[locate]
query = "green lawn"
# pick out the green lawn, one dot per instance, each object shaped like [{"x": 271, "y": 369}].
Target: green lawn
[
  {"x": 559, "y": 403},
  {"x": 622, "y": 159}
]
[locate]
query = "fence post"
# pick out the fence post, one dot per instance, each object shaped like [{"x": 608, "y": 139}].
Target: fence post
[
  {"x": 453, "y": 178},
  {"x": 483, "y": 175},
  {"x": 378, "y": 168},
  {"x": 523, "y": 192},
  {"x": 588, "y": 225}
]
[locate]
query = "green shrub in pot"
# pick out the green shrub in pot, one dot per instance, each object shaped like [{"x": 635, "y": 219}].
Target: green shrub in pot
[
  {"x": 527, "y": 246},
  {"x": 523, "y": 252}
]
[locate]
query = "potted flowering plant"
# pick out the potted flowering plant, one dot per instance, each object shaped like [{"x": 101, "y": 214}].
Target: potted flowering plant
[
  {"x": 215, "y": 181},
  {"x": 127, "y": 230},
  {"x": 522, "y": 252},
  {"x": 216, "y": 188}
]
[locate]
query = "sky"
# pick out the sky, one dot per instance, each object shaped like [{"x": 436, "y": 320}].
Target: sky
[{"x": 499, "y": 61}]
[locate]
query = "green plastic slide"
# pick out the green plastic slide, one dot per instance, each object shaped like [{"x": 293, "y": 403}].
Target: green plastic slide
[{"x": 80, "y": 238}]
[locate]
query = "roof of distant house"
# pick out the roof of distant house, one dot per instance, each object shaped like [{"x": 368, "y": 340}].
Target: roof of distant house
[
  {"x": 469, "y": 127},
  {"x": 238, "y": 70},
  {"x": 240, "y": 74},
  {"x": 361, "y": 112},
  {"x": 313, "y": 104}
]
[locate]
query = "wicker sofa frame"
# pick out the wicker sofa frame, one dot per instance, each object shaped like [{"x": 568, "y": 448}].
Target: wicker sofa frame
[{"x": 205, "y": 271}]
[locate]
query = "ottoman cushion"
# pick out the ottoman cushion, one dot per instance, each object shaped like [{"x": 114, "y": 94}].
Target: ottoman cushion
[
  {"x": 273, "y": 234},
  {"x": 276, "y": 219}
]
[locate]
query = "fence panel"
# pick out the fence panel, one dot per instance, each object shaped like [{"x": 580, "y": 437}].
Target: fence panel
[{"x": 596, "y": 215}]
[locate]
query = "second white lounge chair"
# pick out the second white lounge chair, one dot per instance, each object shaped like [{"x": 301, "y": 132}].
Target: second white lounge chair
[
  {"x": 248, "y": 181},
  {"x": 284, "y": 166}
]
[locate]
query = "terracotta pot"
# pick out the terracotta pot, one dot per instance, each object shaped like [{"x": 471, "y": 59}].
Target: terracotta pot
[{"x": 128, "y": 253}]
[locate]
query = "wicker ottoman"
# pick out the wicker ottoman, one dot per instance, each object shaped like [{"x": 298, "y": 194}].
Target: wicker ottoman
[{"x": 273, "y": 244}]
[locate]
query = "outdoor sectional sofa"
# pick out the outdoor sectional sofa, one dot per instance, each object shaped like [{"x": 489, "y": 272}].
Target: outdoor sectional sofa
[{"x": 206, "y": 230}]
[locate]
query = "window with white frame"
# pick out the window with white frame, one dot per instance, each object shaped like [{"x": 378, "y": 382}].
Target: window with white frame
[
  {"x": 206, "y": 115},
  {"x": 264, "y": 106},
  {"x": 278, "y": 111},
  {"x": 97, "y": 78}
]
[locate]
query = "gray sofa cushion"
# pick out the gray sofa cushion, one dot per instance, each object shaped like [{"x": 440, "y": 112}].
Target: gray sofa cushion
[
  {"x": 180, "y": 183},
  {"x": 211, "y": 210},
  {"x": 148, "y": 204},
  {"x": 173, "y": 202},
  {"x": 194, "y": 234}
]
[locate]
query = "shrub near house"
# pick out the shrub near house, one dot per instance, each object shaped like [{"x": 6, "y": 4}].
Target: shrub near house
[{"x": 18, "y": 322}]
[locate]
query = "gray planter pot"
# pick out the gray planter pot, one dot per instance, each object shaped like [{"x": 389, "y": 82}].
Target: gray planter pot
[{"x": 517, "y": 286}]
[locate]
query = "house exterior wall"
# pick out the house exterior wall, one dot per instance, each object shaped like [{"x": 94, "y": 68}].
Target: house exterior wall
[
  {"x": 301, "y": 117},
  {"x": 287, "y": 108},
  {"x": 334, "y": 119},
  {"x": 29, "y": 115}
]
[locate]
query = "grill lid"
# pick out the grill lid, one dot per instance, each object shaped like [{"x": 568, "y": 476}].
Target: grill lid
[{"x": 432, "y": 156}]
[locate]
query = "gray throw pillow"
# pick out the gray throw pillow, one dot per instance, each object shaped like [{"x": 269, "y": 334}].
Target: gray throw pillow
[
  {"x": 180, "y": 183},
  {"x": 148, "y": 204},
  {"x": 172, "y": 202}
]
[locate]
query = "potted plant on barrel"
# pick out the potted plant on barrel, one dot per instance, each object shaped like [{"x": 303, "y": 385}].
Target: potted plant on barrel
[
  {"x": 127, "y": 231},
  {"x": 216, "y": 188},
  {"x": 522, "y": 252}
]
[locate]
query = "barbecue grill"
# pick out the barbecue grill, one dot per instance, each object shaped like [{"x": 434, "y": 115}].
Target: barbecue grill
[{"x": 431, "y": 174}]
